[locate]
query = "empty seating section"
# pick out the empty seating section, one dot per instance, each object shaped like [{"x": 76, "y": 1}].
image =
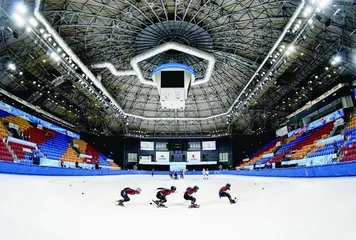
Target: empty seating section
[
  {"x": 301, "y": 153},
  {"x": 55, "y": 147},
  {"x": 113, "y": 164},
  {"x": 71, "y": 156},
  {"x": 39, "y": 136},
  {"x": 103, "y": 160},
  {"x": 3, "y": 131},
  {"x": 92, "y": 152},
  {"x": 20, "y": 150},
  {"x": 87, "y": 149},
  {"x": 349, "y": 148},
  {"x": 22, "y": 123},
  {"x": 268, "y": 148},
  {"x": 263, "y": 160},
  {"x": 303, "y": 143},
  {"x": 5, "y": 155},
  {"x": 82, "y": 146},
  {"x": 325, "y": 149}
]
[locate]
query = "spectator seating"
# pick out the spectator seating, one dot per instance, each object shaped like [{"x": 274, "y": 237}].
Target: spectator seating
[
  {"x": 268, "y": 148},
  {"x": 263, "y": 160},
  {"x": 349, "y": 148},
  {"x": 71, "y": 156},
  {"x": 51, "y": 144},
  {"x": 103, "y": 160},
  {"x": 5, "y": 155},
  {"x": 56, "y": 147},
  {"x": 22, "y": 123},
  {"x": 3, "y": 131},
  {"x": 303, "y": 142},
  {"x": 82, "y": 145},
  {"x": 87, "y": 149},
  {"x": 90, "y": 150},
  {"x": 325, "y": 149},
  {"x": 19, "y": 151},
  {"x": 39, "y": 136},
  {"x": 114, "y": 164}
]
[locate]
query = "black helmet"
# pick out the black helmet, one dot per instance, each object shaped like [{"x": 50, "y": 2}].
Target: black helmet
[
  {"x": 173, "y": 188},
  {"x": 228, "y": 185},
  {"x": 196, "y": 188}
]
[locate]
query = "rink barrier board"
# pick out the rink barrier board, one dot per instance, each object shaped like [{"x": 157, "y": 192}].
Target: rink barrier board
[{"x": 330, "y": 170}]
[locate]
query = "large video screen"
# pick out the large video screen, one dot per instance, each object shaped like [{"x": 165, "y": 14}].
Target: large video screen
[
  {"x": 209, "y": 145},
  {"x": 172, "y": 79},
  {"x": 148, "y": 146}
]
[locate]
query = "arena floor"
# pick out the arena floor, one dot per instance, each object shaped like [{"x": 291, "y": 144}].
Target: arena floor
[{"x": 43, "y": 208}]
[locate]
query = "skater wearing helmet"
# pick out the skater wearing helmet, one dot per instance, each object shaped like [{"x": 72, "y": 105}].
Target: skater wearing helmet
[
  {"x": 125, "y": 192},
  {"x": 161, "y": 195},
  {"x": 188, "y": 196},
  {"x": 223, "y": 192}
]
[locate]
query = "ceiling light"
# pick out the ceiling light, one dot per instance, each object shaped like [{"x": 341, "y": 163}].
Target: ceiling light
[
  {"x": 11, "y": 66},
  {"x": 33, "y": 22},
  {"x": 59, "y": 50},
  {"x": 323, "y": 3},
  {"x": 336, "y": 60},
  {"x": 21, "y": 8},
  {"x": 18, "y": 19},
  {"x": 41, "y": 30},
  {"x": 20, "y": 73},
  {"x": 55, "y": 56},
  {"x": 307, "y": 11}
]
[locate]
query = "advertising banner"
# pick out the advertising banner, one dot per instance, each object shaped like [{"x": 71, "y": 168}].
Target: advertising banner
[
  {"x": 16, "y": 112},
  {"x": 146, "y": 158},
  {"x": 193, "y": 156},
  {"x": 318, "y": 123},
  {"x": 162, "y": 156}
]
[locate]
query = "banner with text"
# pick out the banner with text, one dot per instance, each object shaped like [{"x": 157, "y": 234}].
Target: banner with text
[
  {"x": 193, "y": 156},
  {"x": 162, "y": 156},
  {"x": 16, "y": 112},
  {"x": 318, "y": 123}
]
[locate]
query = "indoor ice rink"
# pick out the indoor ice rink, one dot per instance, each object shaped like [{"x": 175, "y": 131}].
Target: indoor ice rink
[
  {"x": 267, "y": 208},
  {"x": 98, "y": 95}
]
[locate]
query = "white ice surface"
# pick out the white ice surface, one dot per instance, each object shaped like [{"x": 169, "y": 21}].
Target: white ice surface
[{"x": 48, "y": 208}]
